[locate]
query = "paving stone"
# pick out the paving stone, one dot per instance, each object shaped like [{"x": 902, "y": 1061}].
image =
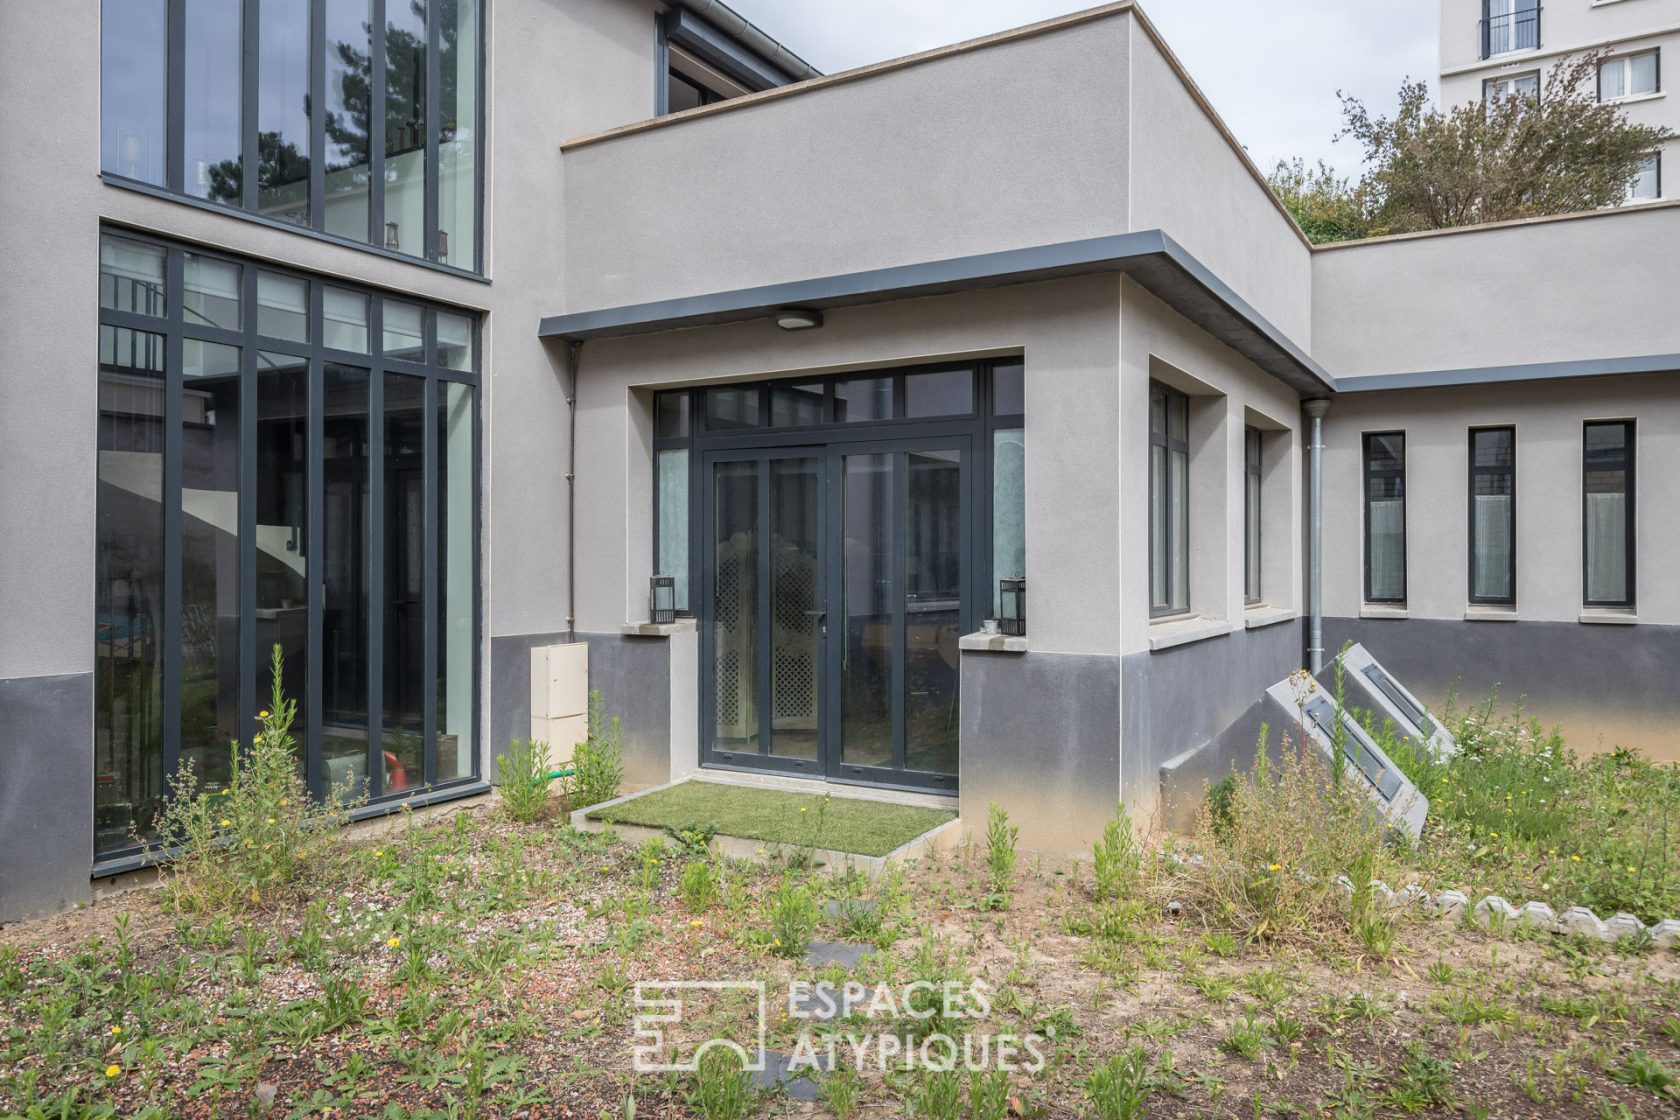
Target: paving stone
[
  {"x": 846, "y": 954},
  {"x": 838, "y": 1004},
  {"x": 777, "y": 1075}
]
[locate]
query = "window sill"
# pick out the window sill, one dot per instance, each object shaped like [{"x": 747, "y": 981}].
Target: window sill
[
  {"x": 1261, "y": 615},
  {"x": 982, "y": 642},
  {"x": 1490, "y": 614},
  {"x": 1609, "y": 616},
  {"x": 1635, "y": 98},
  {"x": 658, "y": 629},
  {"x": 1169, "y": 632},
  {"x": 1384, "y": 610}
]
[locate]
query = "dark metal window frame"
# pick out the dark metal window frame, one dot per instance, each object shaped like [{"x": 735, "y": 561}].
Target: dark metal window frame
[
  {"x": 174, "y": 186},
  {"x": 1165, "y": 439},
  {"x": 1471, "y": 476},
  {"x": 175, "y": 331},
  {"x": 705, "y": 42},
  {"x": 1515, "y": 22},
  {"x": 1627, "y": 463},
  {"x": 1368, "y": 474},
  {"x": 1254, "y": 541}
]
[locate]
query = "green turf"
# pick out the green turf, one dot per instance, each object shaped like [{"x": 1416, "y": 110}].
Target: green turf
[{"x": 842, "y": 824}]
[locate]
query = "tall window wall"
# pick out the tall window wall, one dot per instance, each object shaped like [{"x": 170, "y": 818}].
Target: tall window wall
[
  {"x": 288, "y": 461},
  {"x": 359, "y": 119}
]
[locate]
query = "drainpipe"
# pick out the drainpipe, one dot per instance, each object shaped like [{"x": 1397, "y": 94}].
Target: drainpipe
[
  {"x": 1315, "y": 410},
  {"x": 574, "y": 351}
]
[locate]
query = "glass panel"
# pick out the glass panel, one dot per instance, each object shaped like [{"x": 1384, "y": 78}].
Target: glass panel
[
  {"x": 131, "y": 276},
  {"x": 345, "y": 320},
  {"x": 735, "y": 606},
  {"x": 1178, "y": 468},
  {"x": 868, "y": 651},
  {"x": 210, "y": 295},
  {"x": 282, "y": 307},
  {"x": 457, "y": 131},
  {"x": 211, "y": 137},
  {"x": 1159, "y": 541},
  {"x": 405, "y": 128},
  {"x": 454, "y": 341},
  {"x": 1385, "y": 512},
  {"x": 133, "y": 54},
  {"x": 1607, "y": 513},
  {"x": 670, "y": 415},
  {"x": 1009, "y": 508},
  {"x": 1251, "y": 515},
  {"x": 349, "y": 91},
  {"x": 455, "y": 435},
  {"x": 673, "y": 521},
  {"x": 1178, "y": 418},
  {"x": 1492, "y": 516},
  {"x": 405, "y": 574},
  {"x": 863, "y": 398},
  {"x": 1645, "y": 183},
  {"x": 732, "y": 407},
  {"x": 282, "y": 587},
  {"x": 402, "y": 334},
  {"x": 933, "y": 610},
  {"x": 1612, "y": 80},
  {"x": 346, "y": 541},
  {"x": 947, "y": 393},
  {"x": 795, "y": 595},
  {"x": 795, "y": 405},
  {"x": 128, "y": 609},
  {"x": 1009, "y": 390},
  {"x": 283, "y": 110},
  {"x": 1643, "y": 73},
  {"x": 209, "y": 557}
]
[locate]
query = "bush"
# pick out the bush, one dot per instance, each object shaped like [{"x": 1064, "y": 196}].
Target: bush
[
  {"x": 597, "y": 762},
  {"x": 243, "y": 844},
  {"x": 793, "y": 919},
  {"x": 1000, "y": 857},
  {"x": 522, "y": 770},
  {"x": 1118, "y": 859}
]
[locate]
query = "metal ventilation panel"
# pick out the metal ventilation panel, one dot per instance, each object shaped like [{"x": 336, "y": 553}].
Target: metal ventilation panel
[{"x": 1366, "y": 684}]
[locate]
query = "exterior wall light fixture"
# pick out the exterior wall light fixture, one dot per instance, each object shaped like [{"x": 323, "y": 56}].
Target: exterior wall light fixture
[
  {"x": 662, "y": 599},
  {"x": 798, "y": 319},
  {"x": 391, "y": 240},
  {"x": 1012, "y": 605}
]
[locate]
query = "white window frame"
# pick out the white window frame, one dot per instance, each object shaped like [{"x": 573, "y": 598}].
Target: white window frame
[
  {"x": 1654, "y": 161},
  {"x": 1504, "y": 86},
  {"x": 1624, "y": 63}
]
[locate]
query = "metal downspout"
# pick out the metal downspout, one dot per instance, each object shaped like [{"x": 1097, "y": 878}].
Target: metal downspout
[
  {"x": 1315, "y": 411},
  {"x": 574, "y": 351}
]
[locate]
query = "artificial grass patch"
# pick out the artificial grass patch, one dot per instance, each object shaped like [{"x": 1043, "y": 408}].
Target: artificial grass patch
[{"x": 842, "y": 824}]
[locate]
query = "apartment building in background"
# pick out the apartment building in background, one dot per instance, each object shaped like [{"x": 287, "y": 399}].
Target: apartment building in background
[{"x": 1495, "y": 48}]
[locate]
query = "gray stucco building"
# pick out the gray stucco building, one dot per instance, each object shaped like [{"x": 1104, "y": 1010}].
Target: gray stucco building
[{"x": 418, "y": 340}]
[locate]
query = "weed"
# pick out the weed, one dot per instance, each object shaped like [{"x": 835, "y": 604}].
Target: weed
[
  {"x": 1118, "y": 859},
  {"x": 839, "y": 1093},
  {"x": 1642, "y": 1071},
  {"x": 598, "y": 761},
  {"x": 522, "y": 770},
  {"x": 699, "y": 886},
  {"x": 793, "y": 919},
  {"x": 1118, "y": 1088},
  {"x": 1246, "y": 1038},
  {"x": 1000, "y": 857},
  {"x": 1422, "y": 1082}
]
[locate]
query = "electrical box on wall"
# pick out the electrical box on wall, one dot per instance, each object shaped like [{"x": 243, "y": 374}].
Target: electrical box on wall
[{"x": 560, "y": 698}]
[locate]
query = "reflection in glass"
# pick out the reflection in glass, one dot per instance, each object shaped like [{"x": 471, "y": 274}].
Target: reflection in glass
[
  {"x": 868, "y": 646},
  {"x": 1009, "y": 390},
  {"x": 345, "y": 558},
  {"x": 405, "y": 128},
  {"x": 282, "y": 307},
  {"x": 209, "y": 557},
  {"x": 1493, "y": 533},
  {"x": 1607, "y": 478},
  {"x": 735, "y": 606},
  {"x": 283, "y": 110},
  {"x": 210, "y": 292},
  {"x": 282, "y": 576},
  {"x": 1009, "y": 508},
  {"x": 344, "y": 323},
  {"x": 455, "y": 436},
  {"x": 128, "y": 605},
  {"x": 795, "y": 654},
  {"x": 132, "y": 56},
  {"x": 733, "y": 407},
  {"x": 796, "y": 405},
  {"x": 211, "y": 141},
  {"x": 131, "y": 276},
  {"x": 863, "y": 398},
  {"x": 405, "y": 578},
  {"x": 670, "y": 415},
  {"x": 454, "y": 341},
  {"x": 349, "y": 62},
  {"x": 673, "y": 521},
  {"x": 402, "y": 332},
  {"x": 945, "y": 393},
  {"x": 457, "y": 131},
  {"x": 932, "y": 608}
]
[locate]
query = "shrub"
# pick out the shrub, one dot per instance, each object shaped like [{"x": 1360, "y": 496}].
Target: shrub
[
  {"x": 242, "y": 844},
  {"x": 597, "y": 762},
  {"x": 1000, "y": 857},
  {"x": 522, "y": 770},
  {"x": 1118, "y": 859},
  {"x": 793, "y": 919}
]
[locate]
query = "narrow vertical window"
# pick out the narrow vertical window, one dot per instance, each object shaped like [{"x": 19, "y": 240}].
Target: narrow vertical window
[
  {"x": 1251, "y": 515},
  {"x": 671, "y": 492},
  {"x": 133, "y": 46},
  {"x": 1009, "y": 476},
  {"x": 1385, "y": 517},
  {"x": 457, "y": 131},
  {"x": 1607, "y": 513},
  {"x": 283, "y": 110},
  {"x": 211, "y": 138},
  {"x": 349, "y": 63},
  {"x": 1493, "y": 516},
  {"x": 456, "y": 435},
  {"x": 405, "y": 128},
  {"x": 1169, "y": 501}
]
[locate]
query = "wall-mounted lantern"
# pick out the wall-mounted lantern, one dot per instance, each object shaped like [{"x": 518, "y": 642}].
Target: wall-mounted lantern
[
  {"x": 662, "y": 599},
  {"x": 1012, "y": 605}
]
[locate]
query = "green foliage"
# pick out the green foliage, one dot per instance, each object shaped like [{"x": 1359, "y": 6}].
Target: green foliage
[
  {"x": 793, "y": 918},
  {"x": 1428, "y": 168},
  {"x": 522, "y": 770},
  {"x": 1119, "y": 1087},
  {"x": 699, "y": 886},
  {"x": 1118, "y": 859},
  {"x": 839, "y": 1093},
  {"x": 1000, "y": 857},
  {"x": 1643, "y": 1071},
  {"x": 240, "y": 845},
  {"x": 722, "y": 1087},
  {"x": 597, "y": 762}
]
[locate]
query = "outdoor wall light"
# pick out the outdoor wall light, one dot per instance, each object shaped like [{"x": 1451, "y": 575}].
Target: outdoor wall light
[
  {"x": 662, "y": 599},
  {"x": 798, "y": 319},
  {"x": 1012, "y": 605},
  {"x": 392, "y": 242}
]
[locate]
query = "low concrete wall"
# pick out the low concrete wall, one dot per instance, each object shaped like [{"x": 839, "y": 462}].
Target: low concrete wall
[{"x": 46, "y": 793}]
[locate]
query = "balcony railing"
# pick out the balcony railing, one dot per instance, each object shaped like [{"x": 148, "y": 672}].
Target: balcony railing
[{"x": 1511, "y": 31}]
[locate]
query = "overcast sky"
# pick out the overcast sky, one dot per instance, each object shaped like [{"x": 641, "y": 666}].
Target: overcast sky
[{"x": 1271, "y": 69}]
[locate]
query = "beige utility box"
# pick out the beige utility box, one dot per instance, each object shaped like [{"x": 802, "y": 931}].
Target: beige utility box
[{"x": 560, "y": 698}]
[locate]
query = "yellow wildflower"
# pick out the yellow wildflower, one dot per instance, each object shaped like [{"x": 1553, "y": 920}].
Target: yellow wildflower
[
  {"x": 263, "y": 714},
  {"x": 1631, "y": 870},
  {"x": 393, "y": 942},
  {"x": 697, "y": 923},
  {"x": 113, "y": 1071},
  {"x": 116, "y": 1030},
  {"x": 226, "y": 822},
  {"x": 1276, "y": 867},
  {"x": 1576, "y": 859}
]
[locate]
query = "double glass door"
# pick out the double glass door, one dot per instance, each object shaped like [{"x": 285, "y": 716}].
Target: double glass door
[{"x": 835, "y": 585}]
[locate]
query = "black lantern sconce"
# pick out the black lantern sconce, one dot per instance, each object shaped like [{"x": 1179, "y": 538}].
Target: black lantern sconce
[
  {"x": 1012, "y": 605},
  {"x": 662, "y": 599}
]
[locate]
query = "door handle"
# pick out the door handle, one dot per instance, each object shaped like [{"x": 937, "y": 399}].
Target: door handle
[{"x": 822, "y": 619}]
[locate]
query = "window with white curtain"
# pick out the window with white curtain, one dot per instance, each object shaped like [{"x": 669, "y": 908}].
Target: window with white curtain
[
  {"x": 1493, "y": 516},
  {"x": 1628, "y": 75},
  {"x": 1385, "y": 517},
  {"x": 1607, "y": 513},
  {"x": 1647, "y": 181},
  {"x": 1514, "y": 85}
]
